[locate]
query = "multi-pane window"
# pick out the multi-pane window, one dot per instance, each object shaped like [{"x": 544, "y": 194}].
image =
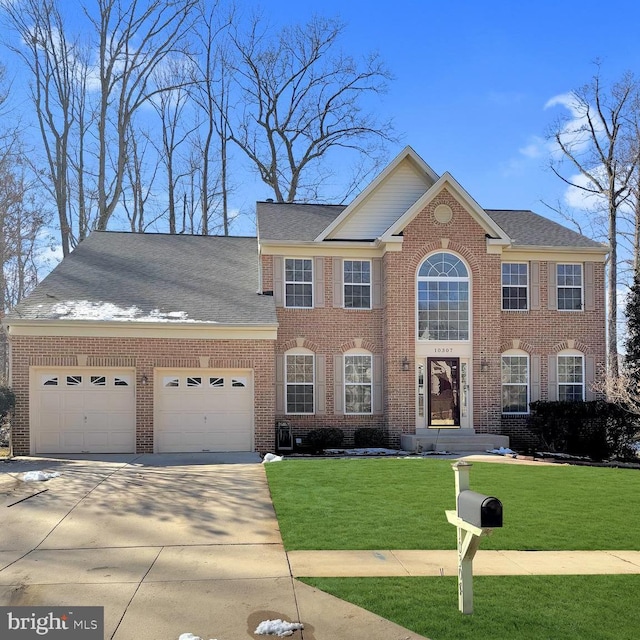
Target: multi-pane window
[
  {"x": 357, "y": 284},
  {"x": 300, "y": 380},
  {"x": 515, "y": 283},
  {"x": 515, "y": 384},
  {"x": 298, "y": 282},
  {"x": 571, "y": 378},
  {"x": 443, "y": 298},
  {"x": 569, "y": 284},
  {"x": 358, "y": 383}
]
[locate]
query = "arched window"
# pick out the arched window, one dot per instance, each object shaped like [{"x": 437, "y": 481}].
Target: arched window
[
  {"x": 571, "y": 375},
  {"x": 300, "y": 381},
  {"x": 515, "y": 381},
  {"x": 443, "y": 298},
  {"x": 358, "y": 382}
]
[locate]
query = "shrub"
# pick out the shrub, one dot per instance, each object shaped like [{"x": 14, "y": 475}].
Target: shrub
[
  {"x": 325, "y": 438},
  {"x": 7, "y": 400},
  {"x": 368, "y": 437},
  {"x": 598, "y": 429}
]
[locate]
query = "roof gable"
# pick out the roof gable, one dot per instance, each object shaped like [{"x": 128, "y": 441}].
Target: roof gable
[
  {"x": 386, "y": 199},
  {"x": 447, "y": 181}
]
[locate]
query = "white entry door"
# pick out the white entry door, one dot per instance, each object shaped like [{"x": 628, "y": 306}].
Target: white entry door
[{"x": 203, "y": 410}]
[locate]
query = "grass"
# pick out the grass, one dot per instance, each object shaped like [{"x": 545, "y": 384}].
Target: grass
[
  {"x": 400, "y": 504},
  {"x": 513, "y": 607}
]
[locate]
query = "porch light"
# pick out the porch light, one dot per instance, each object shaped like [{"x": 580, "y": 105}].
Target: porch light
[
  {"x": 484, "y": 365},
  {"x": 144, "y": 380},
  {"x": 405, "y": 364}
]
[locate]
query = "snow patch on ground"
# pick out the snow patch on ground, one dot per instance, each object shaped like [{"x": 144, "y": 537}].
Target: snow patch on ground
[
  {"x": 502, "y": 451},
  {"x": 190, "y": 636},
  {"x": 107, "y": 311},
  {"x": 39, "y": 476},
  {"x": 272, "y": 457},
  {"x": 278, "y": 628}
]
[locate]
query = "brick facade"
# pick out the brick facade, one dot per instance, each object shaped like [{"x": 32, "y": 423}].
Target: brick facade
[
  {"x": 144, "y": 355},
  {"x": 391, "y": 331},
  {"x": 387, "y": 331}
]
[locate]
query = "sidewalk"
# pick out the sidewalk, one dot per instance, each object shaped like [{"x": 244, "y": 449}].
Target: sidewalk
[{"x": 444, "y": 563}]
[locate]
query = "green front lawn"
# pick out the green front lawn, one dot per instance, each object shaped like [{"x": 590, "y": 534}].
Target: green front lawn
[
  {"x": 400, "y": 504},
  {"x": 510, "y": 607}
]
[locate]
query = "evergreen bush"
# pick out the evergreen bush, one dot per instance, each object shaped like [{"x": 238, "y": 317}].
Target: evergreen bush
[
  {"x": 325, "y": 438},
  {"x": 598, "y": 429},
  {"x": 367, "y": 437}
]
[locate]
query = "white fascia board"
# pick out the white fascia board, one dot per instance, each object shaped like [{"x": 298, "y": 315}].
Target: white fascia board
[
  {"x": 372, "y": 248},
  {"x": 459, "y": 193},
  {"x": 407, "y": 152},
  {"x": 556, "y": 254},
  {"x": 97, "y": 329}
]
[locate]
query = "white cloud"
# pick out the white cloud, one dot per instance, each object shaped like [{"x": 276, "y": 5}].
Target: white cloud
[
  {"x": 536, "y": 148},
  {"x": 578, "y": 198}
]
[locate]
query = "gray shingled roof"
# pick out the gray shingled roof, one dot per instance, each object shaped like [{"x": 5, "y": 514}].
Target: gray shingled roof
[
  {"x": 154, "y": 277},
  {"x": 304, "y": 222},
  {"x": 294, "y": 222},
  {"x": 526, "y": 228}
]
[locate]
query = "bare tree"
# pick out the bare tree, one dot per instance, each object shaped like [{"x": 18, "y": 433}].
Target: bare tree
[
  {"x": 303, "y": 99},
  {"x": 170, "y": 106},
  {"x": 598, "y": 157},
  {"x": 51, "y": 60},
  {"x": 134, "y": 39},
  {"x": 210, "y": 93},
  {"x": 139, "y": 181}
]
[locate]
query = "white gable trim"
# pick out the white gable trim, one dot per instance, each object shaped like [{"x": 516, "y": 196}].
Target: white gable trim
[
  {"x": 496, "y": 233},
  {"x": 406, "y": 153}
]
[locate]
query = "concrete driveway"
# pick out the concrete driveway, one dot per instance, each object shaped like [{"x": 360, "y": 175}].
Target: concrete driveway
[{"x": 167, "y": 544}]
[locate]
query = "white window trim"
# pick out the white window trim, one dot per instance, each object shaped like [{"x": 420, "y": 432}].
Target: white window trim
[
  {"x": 559, "y": 286},
  {"x": 286, "y": 282},
  {"x": 418, "y": 279},
  {"x": 575, "y": 354},
  {"x": 357, "y": 352},
  {"x": 527, "y": 287},
  {"x": 299, "y": 351},
  {"x": 519, "y": 354},
  {"x": 350, "y": 284}
]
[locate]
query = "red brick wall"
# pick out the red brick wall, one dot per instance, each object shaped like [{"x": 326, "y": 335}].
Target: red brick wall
[
  {"x": 145, "y": 354},
  {"x": 391, "y": 331}
]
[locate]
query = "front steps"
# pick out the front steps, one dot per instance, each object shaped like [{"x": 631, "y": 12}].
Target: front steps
[{"x": 453, "y": 440}]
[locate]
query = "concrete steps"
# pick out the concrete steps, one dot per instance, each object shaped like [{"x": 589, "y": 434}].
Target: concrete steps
[{"x": 456, "y": 441}]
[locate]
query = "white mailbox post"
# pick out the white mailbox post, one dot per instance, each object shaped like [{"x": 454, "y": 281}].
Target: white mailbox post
[{"x": 476, "y": 515}]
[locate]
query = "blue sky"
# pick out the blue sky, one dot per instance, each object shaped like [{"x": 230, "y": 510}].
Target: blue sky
[
  {"x": 471, "y": 83},
  {"x": 472, "y": 80}
]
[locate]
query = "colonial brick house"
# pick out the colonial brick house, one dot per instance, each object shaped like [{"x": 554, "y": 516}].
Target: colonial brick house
[{"x": 412, "y": 309}]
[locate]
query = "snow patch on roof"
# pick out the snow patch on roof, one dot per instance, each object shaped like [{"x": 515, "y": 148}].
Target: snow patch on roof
[{"x": 107, "y": 311}]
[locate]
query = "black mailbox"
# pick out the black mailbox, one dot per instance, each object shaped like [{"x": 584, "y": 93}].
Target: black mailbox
[{"x": 480, "y": 510}]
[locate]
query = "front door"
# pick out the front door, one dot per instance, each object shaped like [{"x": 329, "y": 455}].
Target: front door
[{"x": 443, "y": 384}]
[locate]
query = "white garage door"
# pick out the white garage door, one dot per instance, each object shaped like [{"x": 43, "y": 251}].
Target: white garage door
[
  {"x": 83, "y": 410},
  {"x": 203, "y": 410}
]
